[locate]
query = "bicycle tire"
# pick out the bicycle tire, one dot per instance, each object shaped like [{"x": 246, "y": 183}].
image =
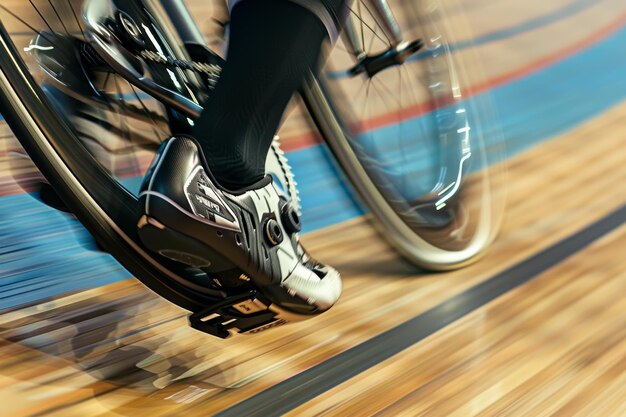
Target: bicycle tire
[{"x": 333, "y": 113}]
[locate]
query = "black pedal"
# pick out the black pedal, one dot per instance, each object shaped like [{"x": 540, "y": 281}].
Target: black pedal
[{"x": 243, "y": 313}]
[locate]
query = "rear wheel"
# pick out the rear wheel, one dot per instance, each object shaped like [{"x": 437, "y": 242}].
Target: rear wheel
[
  {"x": 92, "y": 133},
  {"x": 423, "y": 153}
]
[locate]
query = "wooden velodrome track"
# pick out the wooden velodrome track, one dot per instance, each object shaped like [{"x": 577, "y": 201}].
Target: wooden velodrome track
[{"x": 537, "y": 327}]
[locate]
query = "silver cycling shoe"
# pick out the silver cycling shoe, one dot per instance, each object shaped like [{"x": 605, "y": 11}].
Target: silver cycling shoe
[{"x": 244, "y": 239}]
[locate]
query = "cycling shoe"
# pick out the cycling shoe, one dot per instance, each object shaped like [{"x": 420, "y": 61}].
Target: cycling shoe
[{"x": 243, "y": 239}]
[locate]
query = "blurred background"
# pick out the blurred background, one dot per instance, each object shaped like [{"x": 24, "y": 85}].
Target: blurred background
[{"x": 79, "y": 335}]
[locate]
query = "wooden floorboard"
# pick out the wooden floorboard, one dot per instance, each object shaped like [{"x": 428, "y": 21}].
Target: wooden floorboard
[{"x": 543, "y": 348}]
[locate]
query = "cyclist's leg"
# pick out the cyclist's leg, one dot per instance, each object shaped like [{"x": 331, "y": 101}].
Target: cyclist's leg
[
  {"x": 219, "y": 212},
  {"x": 273, "y": 43}
]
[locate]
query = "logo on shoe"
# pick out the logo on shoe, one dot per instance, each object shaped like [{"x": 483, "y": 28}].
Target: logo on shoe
[
  {"x": 206, "y": 202},
  {"x": 210, "y": 205}
]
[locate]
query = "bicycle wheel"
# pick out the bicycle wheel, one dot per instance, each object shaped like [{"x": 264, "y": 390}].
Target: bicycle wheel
[
  {"x": 392, "y": 102},
  {"x": 92, "y": 132}
]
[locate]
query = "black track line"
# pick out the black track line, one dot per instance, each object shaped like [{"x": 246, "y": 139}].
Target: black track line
[{"x": 308, "y": 384}]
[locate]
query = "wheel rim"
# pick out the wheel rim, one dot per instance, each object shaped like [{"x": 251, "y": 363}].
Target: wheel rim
[{"x": 418, "y": 138}]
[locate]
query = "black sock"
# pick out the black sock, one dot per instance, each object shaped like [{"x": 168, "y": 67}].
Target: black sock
[{"x": 272, "y": 46}]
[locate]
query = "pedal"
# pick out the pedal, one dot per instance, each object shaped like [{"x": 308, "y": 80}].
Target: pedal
[{"x": 244, "y": 313}]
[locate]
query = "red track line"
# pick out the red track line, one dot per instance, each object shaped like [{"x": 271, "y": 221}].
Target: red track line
[{"x": 297, "y": 142}]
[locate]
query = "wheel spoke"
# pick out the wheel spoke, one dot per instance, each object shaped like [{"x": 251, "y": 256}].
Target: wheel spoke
[
  {"x": 120, "y": 97},
  {"x": 364, "y": 25},
  {"x": 155, "y": 128},
  {"x": 24, "y": 22},
  {"x": 67, "y": 32},
  {"x": 80, "y": 27},
  {"x": 388, "y": 42},
  {"x": 105, "y": 83},
  {"x": 369, "y": 48},
  {"x": 361, "y": 23},
  {"x": 366, "y": 101},
  {"x": 40, "y": 15}
]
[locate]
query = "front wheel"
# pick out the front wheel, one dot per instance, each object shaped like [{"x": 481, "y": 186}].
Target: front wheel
[{"x": 422, "y": 153}]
